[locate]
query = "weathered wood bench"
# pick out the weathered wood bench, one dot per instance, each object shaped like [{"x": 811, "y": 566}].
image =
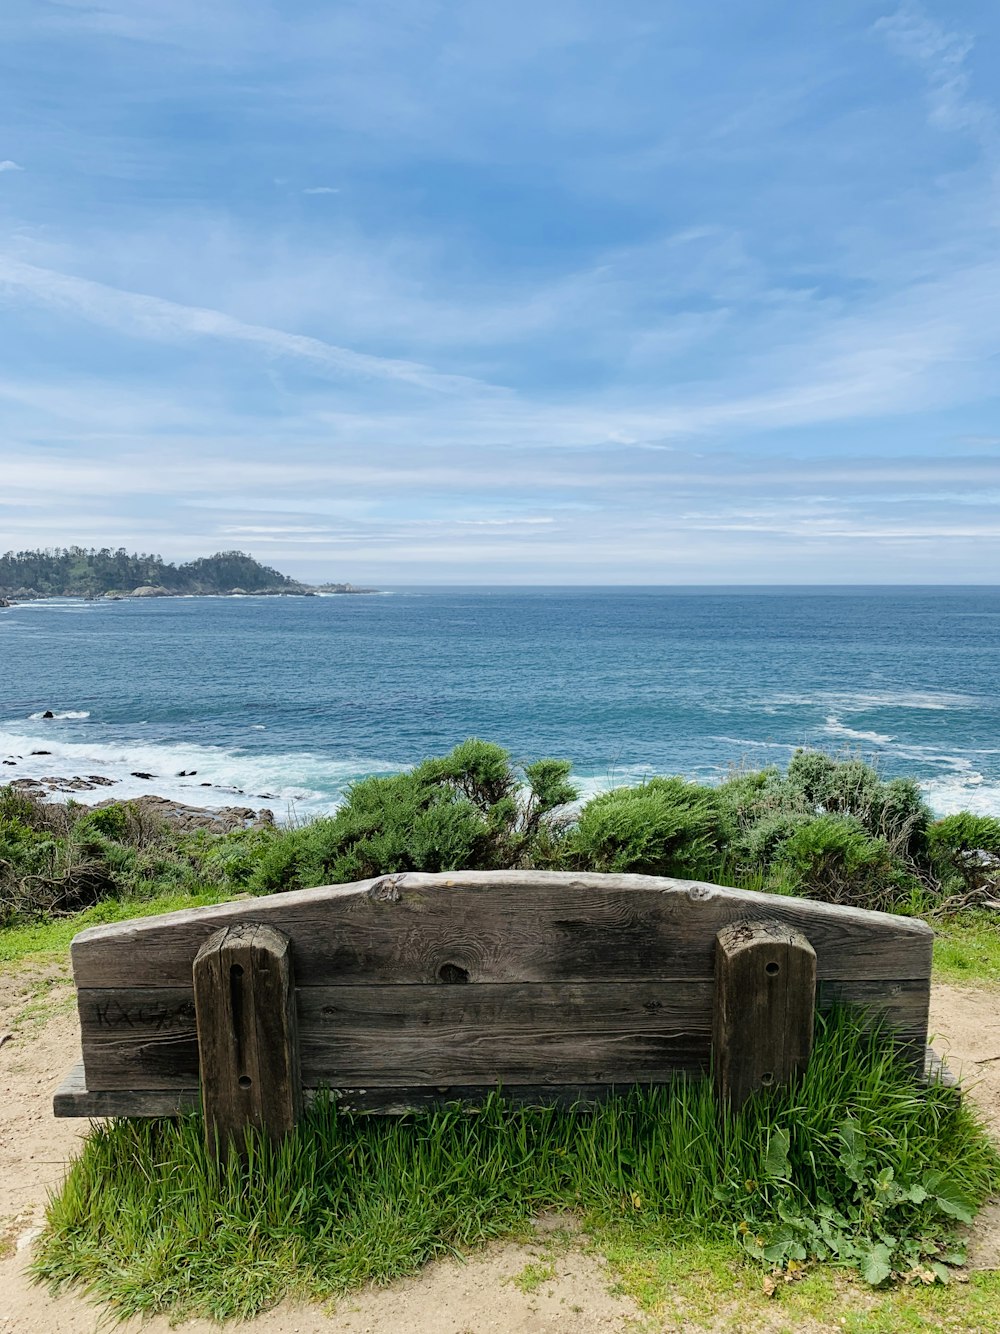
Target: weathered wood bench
[{"x": 411, "y": 989}]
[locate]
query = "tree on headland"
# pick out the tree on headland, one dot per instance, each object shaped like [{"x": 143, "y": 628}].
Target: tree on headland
[{"x": 89, "y": 572}]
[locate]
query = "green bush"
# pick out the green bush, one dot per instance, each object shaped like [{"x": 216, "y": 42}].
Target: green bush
[
  {"x": 229, "y": 860},
  {"x": 110, "y": 822},
  {"x": 51, "y": 817},
  {"x": 469, "y": 809},
  {"x": 830, "y": 828},
  {"x": 834, "y": 858},
  {"x": 58, "y": 859},
  {"x": 965, "y": 850},
  {"x": 663, "y": 827},
  {"x": 894, "y": 811}
]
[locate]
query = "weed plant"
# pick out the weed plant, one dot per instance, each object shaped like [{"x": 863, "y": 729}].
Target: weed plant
[{"x": 857, "y": 1166}]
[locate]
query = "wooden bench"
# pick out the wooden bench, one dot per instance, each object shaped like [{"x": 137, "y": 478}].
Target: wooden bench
[{"x": 411, "y": 989}]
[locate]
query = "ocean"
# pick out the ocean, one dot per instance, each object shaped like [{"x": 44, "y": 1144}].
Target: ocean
[{"x": 283, "y": 702}]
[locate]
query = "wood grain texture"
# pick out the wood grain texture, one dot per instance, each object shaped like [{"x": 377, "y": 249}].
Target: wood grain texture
[
  {"x": 148, "y": 1039},
  {"x": 764, "y": 1011},
  {"x": 247, "y": 1039},
  {"x": 512, "y": 926},
  {"x": 414, "y": 1036},
  {"x": 73, "y": 1098},
  {"x": 902, "y": 1006},
  {"x": 573, "y": 981}
]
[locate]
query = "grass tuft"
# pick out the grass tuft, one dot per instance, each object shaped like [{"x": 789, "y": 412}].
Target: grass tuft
[
  {"x": 857, "y": 1165},
  {"x": 967, "y": 948}
]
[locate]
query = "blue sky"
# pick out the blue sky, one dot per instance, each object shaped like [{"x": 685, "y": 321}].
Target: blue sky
[{"x": 523, "y": 293}]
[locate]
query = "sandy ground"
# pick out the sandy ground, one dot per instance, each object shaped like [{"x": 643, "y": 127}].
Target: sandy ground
[{"x": 39, "y": 1041}]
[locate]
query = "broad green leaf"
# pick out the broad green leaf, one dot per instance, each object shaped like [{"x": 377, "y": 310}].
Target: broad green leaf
[
  {"x": 875, "y": 1266},
  {"x": 776, "y": 1162},
  {"x": 949, "y": 1197}
]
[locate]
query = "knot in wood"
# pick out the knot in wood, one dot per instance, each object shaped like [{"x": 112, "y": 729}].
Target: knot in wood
[
  {"x": 453, "y": 973},
  {"x": 385, "y": 890}
]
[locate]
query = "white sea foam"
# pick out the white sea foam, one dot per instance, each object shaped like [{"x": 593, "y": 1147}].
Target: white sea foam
[
  {"x": 56, "y": 717},
  {"x": 968, "y": 792},
  {"x": 60, "y": 605},
  {"x": 746, "y": 744},
  {"x": 295, "y": 785},
  {"x": 834, "y": 727},
  {"x": 864, "y": 701},
  {"x": 592, "y": 785},
  {"x": 302, "y": 785}
]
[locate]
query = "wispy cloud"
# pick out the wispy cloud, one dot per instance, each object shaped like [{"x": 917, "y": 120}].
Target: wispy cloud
[
  {"x": 647, "y": 297},
  {"x": 8, "y": 165},
  {"x": 147, "y": 316},
  {"x": 942, "y": 56}
]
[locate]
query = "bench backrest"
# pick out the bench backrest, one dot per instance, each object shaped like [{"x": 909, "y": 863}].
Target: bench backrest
[{"x": 419, "y": 987}]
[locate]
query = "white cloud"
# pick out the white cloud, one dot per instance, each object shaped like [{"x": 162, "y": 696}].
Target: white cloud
[
  {"x": 7, "y": 165},
  {"x": 941, "y": 55},
  {"x": 320, "y": 190},
  {"x": 145, "y": 316}
]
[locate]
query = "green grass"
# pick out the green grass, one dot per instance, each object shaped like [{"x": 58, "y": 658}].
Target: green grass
[
  {"x": 533, "y": 1275},
  {"x": 967, "y": 948},
  {"x": 857, "y": 1166},
  {"x": 54, "y": 936},
  {"x": 695, "y": 1285}
]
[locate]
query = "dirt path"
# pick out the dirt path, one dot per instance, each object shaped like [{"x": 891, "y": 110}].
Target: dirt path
[{"x": 39, "y": 1041}]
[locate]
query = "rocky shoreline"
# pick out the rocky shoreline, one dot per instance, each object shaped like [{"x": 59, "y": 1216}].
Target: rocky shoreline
[
  {"x": 11, "y": 598},
  {"x": 181, "y": 816}
]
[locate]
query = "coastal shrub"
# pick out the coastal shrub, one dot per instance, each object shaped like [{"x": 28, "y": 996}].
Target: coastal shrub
[
  {"x": 758, "y": 845},
  {"x": 759, "y": 810},
  {"x": 469, "y": 809},
  {"x": 41, "y": 875},
  {"x": 857, "y": 1165},
  {"x": 59, "y": 859},
  {"x": 108, "y": 821},
  {"x": 834, "y": 858},
  {"x": 126, "y": 822},
  {"x": 830, "y": 828},
  {"x": 904, "y": 817},
  {"x": 894, "y": 811},
  {"x": 26, "y": 855},
  {"x": 230, "y": 860},
  {"x": 965, "y": 851},
  {"x": 52, "y": 817},
  {"x": 827, "y": 827},
  {"x": 665, "y": 826}
]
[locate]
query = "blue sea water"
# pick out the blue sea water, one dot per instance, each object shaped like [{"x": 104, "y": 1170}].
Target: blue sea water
[{"x": 284, "y": 701}]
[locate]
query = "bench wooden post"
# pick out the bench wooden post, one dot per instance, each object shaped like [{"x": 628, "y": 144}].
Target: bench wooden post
[
  {"x": 765, "y": 1001},
  {"x": 248, "y": 1048}
]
